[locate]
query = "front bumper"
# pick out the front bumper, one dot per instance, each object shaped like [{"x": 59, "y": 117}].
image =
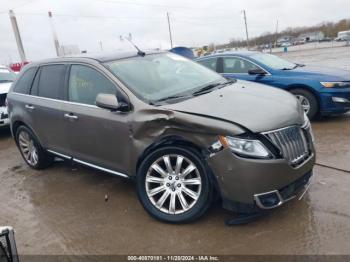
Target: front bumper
[
  {"x": 276, "y": 198},
  {"x": 4, "y": 119},
  {"x": 240, "y": 179},
  {"x": 335, "y": 101}
]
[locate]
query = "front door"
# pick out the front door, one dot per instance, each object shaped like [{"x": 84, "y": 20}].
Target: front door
[
  {"x": 97, "y": 136},
  {"x": 236, "y": 67}
]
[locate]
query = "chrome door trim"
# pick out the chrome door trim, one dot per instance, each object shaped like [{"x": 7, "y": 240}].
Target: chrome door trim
[
  {"x": 100, "y": 168},
  {"x": 57, "y": 100},
  {"x": 58, "y": 154},
  {"x": 88, "y": 164}
]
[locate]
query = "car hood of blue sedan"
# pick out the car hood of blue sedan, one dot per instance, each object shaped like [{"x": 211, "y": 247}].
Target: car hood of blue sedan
[{"x": 321, "y": 73}]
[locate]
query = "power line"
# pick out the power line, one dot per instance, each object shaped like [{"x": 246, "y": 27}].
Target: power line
[{"x": 153, "y": 5}]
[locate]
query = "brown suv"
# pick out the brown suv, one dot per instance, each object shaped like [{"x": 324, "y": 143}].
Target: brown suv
[{"x": 182, "y": 131}]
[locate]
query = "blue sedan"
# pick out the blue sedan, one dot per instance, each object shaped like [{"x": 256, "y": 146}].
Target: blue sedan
[{"x": 320, "y": 90}]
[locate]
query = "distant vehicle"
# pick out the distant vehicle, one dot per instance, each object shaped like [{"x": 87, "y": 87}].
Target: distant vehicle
[
  {"x": 286, "y": 44},
  {"x": 7, "y": 76},
  {"x": 343, "y": 36},
  {"x": 326, "y": 39},
  {"x": 299, "y": 42},
  {"x": 183, "y": 132},
  {"x": 320, "y": 90}
]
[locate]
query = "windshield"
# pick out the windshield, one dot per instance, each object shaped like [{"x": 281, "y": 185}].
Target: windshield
[
  {"x": 158, "y": 76},
  {"x": 273, "y": 61},
  {"x": 6, "y": 75}
]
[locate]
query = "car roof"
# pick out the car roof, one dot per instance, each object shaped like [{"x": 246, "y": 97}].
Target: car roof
[
  {"x": 238, "y": 53},
  {"x": 99, "y": 57}
]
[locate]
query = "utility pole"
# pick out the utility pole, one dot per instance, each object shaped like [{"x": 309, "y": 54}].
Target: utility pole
[
  {"x": 276, "y": 33},
  {"x": 171, "y": 39},
  {"x": 101, "y": 45},
  {"x": 17, "y": 36},
  {"x": 246, "y": 28},
  {"x": 55, "y": 39}
]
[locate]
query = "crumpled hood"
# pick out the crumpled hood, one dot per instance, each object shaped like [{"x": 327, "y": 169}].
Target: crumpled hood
[
  {"x": 256, "y": 107},
  {"x": 322, "y": 73},
  {"x": 5, "y": 87}
]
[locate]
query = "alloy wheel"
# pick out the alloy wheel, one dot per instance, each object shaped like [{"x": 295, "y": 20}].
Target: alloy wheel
[
  {"x": 173, "y": 184},
  {"x": 305, "y": 103},
  {"x": 28, "y": 148}
]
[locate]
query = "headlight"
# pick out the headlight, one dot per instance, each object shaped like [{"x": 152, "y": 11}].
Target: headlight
[
  {"x": 335, "y": 84},
  {"x": 245, "y": 147}
]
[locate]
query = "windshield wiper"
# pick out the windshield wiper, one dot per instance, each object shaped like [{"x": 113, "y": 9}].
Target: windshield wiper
[
  {"x": 5, "y": 81},
  {"x": 206, "y": 88},
  {"x": 170, "y": 97}
]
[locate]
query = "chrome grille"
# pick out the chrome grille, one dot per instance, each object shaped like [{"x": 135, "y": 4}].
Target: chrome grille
[{"x": 293, "y": 143}]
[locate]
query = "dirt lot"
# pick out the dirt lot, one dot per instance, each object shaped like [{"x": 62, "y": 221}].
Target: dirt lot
[{"x": 62, "y": 210}]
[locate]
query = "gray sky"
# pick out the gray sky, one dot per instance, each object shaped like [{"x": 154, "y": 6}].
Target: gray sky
[{"x": 197, "y": 22}]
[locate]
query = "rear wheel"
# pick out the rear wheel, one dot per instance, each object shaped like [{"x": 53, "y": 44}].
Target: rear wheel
[
  {"x": 308, "y": 101},
  {"x": 32, "y": 152},
  {"x": 173, "y": 185}
]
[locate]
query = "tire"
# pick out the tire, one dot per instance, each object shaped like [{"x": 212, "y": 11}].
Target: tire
[
  {"x": 310, "y": 99},
  {"x": 27, "y": 143},
  {"x": 178, "y": 212}
]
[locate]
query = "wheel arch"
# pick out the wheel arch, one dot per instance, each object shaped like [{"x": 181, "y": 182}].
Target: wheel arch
[
  {"x": 309, "y": 89},
  {"x": 179, "y": 141},
  {"x": 306, "y": 88},
  {"x": 16, "y": 124}
]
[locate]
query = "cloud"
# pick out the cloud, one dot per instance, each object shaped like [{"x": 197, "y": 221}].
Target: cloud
[{"x": 193, "y": 23}]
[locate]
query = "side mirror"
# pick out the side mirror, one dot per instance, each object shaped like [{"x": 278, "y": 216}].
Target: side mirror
[
  {"x": 110, "y": 102},
  {"x": 257, "y": 71}
]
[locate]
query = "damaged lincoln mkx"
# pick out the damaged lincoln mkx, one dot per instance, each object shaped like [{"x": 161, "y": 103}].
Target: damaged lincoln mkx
[{"x": 182, "y": 131}]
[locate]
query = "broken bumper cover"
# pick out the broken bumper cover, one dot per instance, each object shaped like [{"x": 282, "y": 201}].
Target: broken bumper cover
[
  {"x": 251, "y": 185},
  {"x": 276, "y": 198},
  {"x": 4, "y": 119}
]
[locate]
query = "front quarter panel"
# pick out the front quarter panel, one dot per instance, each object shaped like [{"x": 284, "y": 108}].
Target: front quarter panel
[{"x": 152, "y": 125}]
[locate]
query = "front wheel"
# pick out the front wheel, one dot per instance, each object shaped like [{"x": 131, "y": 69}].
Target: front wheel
[
  {"x": 307, "y": 100},
  {"x": 173, "y": 185}
]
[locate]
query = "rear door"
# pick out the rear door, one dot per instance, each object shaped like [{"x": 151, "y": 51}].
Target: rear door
[
  {"x": 45, "y": 106},
  {"x": 97, "y": 136}
]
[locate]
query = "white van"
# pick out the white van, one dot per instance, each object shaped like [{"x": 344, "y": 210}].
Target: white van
[{"x": 343, "y": 36}]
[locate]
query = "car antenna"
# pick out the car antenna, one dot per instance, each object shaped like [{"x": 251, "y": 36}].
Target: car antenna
[{"x": 139, "y": 51}]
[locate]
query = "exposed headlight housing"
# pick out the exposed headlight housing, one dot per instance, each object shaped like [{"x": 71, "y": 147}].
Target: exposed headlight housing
[
  {"x": 245, "y": 147},
  {"x": 335, "y": 84}
]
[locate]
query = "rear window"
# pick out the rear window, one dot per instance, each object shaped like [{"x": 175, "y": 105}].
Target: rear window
[
  {"x": 51, "y": 81},
  {"x": 24, "y": 83}
]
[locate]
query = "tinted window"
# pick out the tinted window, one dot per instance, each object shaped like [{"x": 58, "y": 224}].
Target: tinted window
[
  {"x": 24, "y": 83},
  {"x": 86, "y": 83},
  {"x": 51, "y": 81},
  {"x": 210, "y": 63},
  {"x": 237, "y": 65}
]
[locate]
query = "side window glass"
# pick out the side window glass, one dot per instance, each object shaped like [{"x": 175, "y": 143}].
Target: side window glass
[
  {"x": 210, "y": 63},
  {"x": 51, "y": 81},
  {"x": 236, "y": 65},
  {"x": 86, "y": 83},
  {"x": 24, "y": 83}
]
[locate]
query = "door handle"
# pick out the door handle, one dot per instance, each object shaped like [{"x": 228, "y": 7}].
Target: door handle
[
  {"x": 70, "y": 116},
  {"x": 30, "y": 107}
]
